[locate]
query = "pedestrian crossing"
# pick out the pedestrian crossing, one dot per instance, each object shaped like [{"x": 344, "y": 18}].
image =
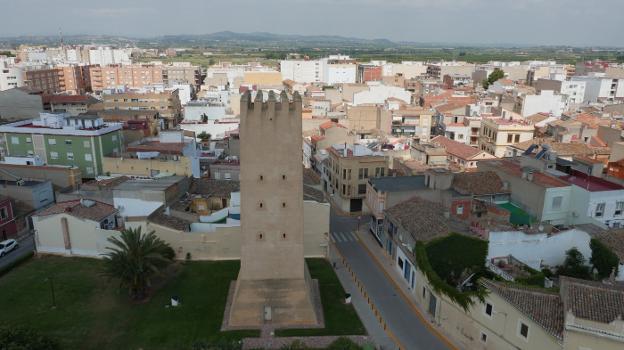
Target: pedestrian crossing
[{"x": 343, "y": 237}]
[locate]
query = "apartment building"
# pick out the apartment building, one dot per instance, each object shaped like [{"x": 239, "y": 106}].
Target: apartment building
[
  {"x": 415, "y": 122},
  {"x": 67, "y": 79},
  {"x": 166, "y": 103},
  {"x": 61, "y": 139},
  {"x": 497, "y": 134},
  {"x": 70, "y": 104},
  {"x": 10, "y": 76},
  {"x": 347, "y": 171},
  {"x": 546, "y": 102},
  {"x": 132, "y": 76},
  {"x": 136, "y": 76},
  {"x": 368, "y": 118}
]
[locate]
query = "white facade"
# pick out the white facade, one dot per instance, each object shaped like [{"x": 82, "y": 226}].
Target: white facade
[
  {"x": 316, "y": 71},
  {"x": 574, "y": 92},
  {"x": 599, "y": 87},
  {"x": 301, "y": 71},
  {"x": 10, "y": 76},
  {"x": 378, "y": 94},
  {"x": 409, "y": 69},
  {"x": 339, "y": 73},
  {"x": 599, "y": 207},
  {"x": 546, "y": 102},
  {"x": 106, "y": 55},
  {"x": 538, "y": 249}
]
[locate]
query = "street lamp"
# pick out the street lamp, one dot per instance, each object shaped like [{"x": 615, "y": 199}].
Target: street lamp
[{"x": 49, "y": 279}]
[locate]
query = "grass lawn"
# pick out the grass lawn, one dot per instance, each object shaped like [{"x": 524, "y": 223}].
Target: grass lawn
[
  {"x": 92, "y": 313},
  {"x": 340, "y": 319}
]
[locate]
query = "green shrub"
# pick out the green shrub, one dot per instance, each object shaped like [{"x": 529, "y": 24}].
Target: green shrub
[
  {"x": 19, "y": 338},
  {"x": 603, "y": 259}
]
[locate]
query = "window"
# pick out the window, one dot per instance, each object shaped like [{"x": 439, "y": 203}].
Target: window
[
  {"x": 488, "y": 309},
  {"x": 517, "y": 138},
  {"x": 600, "y": 207},
  {"x": 15, "y": 140},
  {"x": 70, "y": 156},
  {"x": 556, "y": 202},
  {"x": 344, "y": 174},
  {"x": 4, "y": 213},
  {"x": 523, "y": 330},
  {"x": 459, "y": 210},
  {"x": 619, "y": 207},
  {"x": 362, "y": 189},
  {"x": 28, "y": 140},
  {"x": 68, "y": 142},
  {"x": 53, "y": 155},
  {"x": 86, "y": 144},
  {"x": 88, "y": 157},
  {"x": 89, "y": 170},
  {"x": 424, "y": 293},
  {"x": 509, "y": 138},
  {"x": 483, "y": 337}
]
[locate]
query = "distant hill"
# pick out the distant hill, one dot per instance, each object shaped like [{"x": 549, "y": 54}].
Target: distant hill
[{"x": 224, "y": 38}]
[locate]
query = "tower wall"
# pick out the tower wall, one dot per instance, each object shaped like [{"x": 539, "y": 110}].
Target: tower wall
[{"x": 271, "y": 188}]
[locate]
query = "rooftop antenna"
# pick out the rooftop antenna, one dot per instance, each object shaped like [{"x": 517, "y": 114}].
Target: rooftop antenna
[{"x": 61, "y": 37}]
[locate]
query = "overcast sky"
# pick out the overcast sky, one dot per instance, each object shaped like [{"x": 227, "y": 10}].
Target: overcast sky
[{"x": 534, "y": 22}]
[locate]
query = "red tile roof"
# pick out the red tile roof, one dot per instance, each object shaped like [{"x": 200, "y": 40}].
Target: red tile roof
[
  {"x": 329, "y": 125},
  {"x": 97, "y": 212},
  {"x": 455, "y": 148}
]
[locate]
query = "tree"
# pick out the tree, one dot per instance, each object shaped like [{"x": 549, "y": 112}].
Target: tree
[
  {"x": 494, "y": 76},
  {"x": 135, "y": 259},
  {"x": 204, "y": 136},
  {"x": 574, "y": 265},
  {"x": 603, "y": 259},
  {"x": 19, "y": 338}
]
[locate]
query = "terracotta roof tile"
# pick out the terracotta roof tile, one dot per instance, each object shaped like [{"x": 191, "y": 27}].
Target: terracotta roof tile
[
  {"x": 546, "y": 309},
  {"x": 478, "y": 183},
  {"x": 97, "y": 212},
  {"x": 458, "y": 149},
  {"x": 593, "y": 301},
  {"x": 423, "y": 219}
]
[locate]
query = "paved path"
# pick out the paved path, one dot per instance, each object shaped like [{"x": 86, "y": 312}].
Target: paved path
[
  {"x": 26, "y": 246},
  {"x": 410, "y": 331}
]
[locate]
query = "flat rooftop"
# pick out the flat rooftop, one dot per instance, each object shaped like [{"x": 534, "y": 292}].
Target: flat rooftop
[
  {"x": 591, "y": 183},
  {"x": 398, "y": 183},
  {"x": 160, "y": 184}
]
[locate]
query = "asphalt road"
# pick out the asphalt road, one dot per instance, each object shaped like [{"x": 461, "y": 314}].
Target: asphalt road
[
  {"x": 26, "y": 246},
  {"x": 397, "y": 313}
]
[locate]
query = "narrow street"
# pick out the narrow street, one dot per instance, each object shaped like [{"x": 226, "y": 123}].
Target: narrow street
[
  {"x": 407, "y": 327},
  {"x": 26, "y": 246}
]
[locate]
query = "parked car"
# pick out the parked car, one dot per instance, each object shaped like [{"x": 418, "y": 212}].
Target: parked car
[{"x": 7, "y": 246}]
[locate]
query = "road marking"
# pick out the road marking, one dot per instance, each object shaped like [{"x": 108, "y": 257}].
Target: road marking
[
  {"x": 331, "y": 237},
  {"x": 338, "y": 237},
  {"x": 345, "y": 236}
]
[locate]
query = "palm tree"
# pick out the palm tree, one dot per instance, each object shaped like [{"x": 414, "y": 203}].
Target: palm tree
[{"x": 135, "y": 258}]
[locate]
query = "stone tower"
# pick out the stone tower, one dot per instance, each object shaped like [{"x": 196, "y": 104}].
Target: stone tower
[{"x": 273, "y": 284}]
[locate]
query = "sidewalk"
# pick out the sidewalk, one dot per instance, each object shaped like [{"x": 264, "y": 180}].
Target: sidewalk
[
  {"x": 373, "y": 328},
  {"x": 386, "y": 263}
]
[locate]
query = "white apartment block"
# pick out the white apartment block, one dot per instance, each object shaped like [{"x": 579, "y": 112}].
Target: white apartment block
[
  {"x": 574, "y": 92},
  {"x": 546, "y": 102},
  {"x": 378, "y": 94},
  {"x": 601, "y": 88},
  {"x": 10, "y": 76},
  {"x": 106, "y": 55},
  {"x": 326, "y": 70}
]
